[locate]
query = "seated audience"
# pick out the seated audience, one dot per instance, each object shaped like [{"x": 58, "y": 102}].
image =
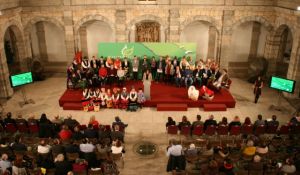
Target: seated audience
[
  {"x": 71, "y": 147},
  {"x": 223, "y": 122},
  {"x": 208, "y": 151},
  {"x": 57, "y": 147},
  {"x": 170, "y": 122},
  {"x": 65, "y": 133},
  {"x": 247, "y": 121},
  {"x": 295, "y": 120},
  {"x": 5, "y": 164},
  {"x": 259, "y": 121},
  {"x": 62, "y": 166},
  {"x": 250, "y": 149},
  {"x": 90, "y": 132},
  {"x": 20, "y": 120},
  {"x": 43, "y": 147},
  {"x": 93, "y": 121},
  {"x": 77, "y": 134},
  {"x": 191, "y": 151},
  {"x": 210, "y": 121},
  {"x": 4, "y": 147},
  {"x": 256, "y": 165},
  {"x": 18, "y": 146},
  {"x": 272, "y": 122},
  {"x": 176, "y": 159},
  {"x": 117, "y": 147},
  {"x": 227, "y": 167},
  {"x": 288, "y": 167},
  {"x": 184, "y": 122},
  {"x": 198, "y": 121},
  {"x": 9, "y": 119},
  {"x": 116, "y": 134},
  {"x": 86, "y": 146},
  {"x": 235, "y": 122},
  {"x": 119, "y": 122},
  {"x": 18, "y": 168},
  {"x": 70, "y": 122},
  {"x": 262, "y": 148}
]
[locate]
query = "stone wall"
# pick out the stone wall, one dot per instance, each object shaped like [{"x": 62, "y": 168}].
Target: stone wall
[{"x": 224, "y": 16}]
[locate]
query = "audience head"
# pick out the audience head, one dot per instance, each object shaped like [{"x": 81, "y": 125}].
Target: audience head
[
  {"x": 8, "y": 115},
  {"x": 184, "y": 119},
  {"x": 224, "y": 121},
  {"x": 192, "y": 146},
  {"x": 211, "y": 117},
  {"x": 65, "y": 127},
  {"x": 4, "y": 157},
  {"x": 236, "y": 118},
  {"x": 70, "y": 173},
  {"x": 274, "y": 117},
  {"x": 247, "y": 121},
  {"x": 256, "y": 159},
  {"x": 117, "y": 119},
  {"x": 43, "y": 142},
  {"x": 250, "y": 143},
  {"x": 90, "y": 126},
  {"x": 198, "y": 117},
  {"x": 170, "y": 119},
  {"x": 259, "y": 117},
  {"x": 76, "y": 128},
  {"x": 59, "y": 158}
]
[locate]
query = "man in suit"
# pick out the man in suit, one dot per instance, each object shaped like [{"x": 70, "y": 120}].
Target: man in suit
[
  {"x": 90, "y": 132},
  {"x": 160, "y": 68},
  {"x": 210, "y": 121},
  {"x": 198, "y": 76},
  {"x": 135, "y": 68},
  {"x": 206, "y": 73}
]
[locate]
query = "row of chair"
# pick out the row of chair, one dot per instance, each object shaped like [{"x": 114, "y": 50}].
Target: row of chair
[
  {"x": 33, "y": 128},
  {"x": 234, "y": 130}
]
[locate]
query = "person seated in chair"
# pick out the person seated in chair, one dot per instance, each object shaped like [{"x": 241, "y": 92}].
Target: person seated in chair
[
  {"x": 141, "y": 97},
  {"x": 132, "y": 99},
  {"x": 193, "y": 93},
  {"x": 222, "y": 80},
  {"x": 116, "y": 98},
  {"x": 206, "y": 93},
  {"x": 124, "y": 99},
  {"x": 198, "y": 76},
  {"x": 184, "y": 122},
  {"x": 210, "y": 121},
  {"x": 188, "y": 77},
  {"x": 103, "y": 74}
]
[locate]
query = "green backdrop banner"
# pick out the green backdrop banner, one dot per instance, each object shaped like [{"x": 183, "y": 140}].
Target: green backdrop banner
[{"x": 129, "y": 50}]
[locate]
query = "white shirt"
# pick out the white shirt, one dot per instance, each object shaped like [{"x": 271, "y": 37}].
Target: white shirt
[
  {"x": 174, "y": 150},
  {"x": 86, "y": 148},
  {"x": 43, "y": 149},
  {"x": 116, "y": 150}
]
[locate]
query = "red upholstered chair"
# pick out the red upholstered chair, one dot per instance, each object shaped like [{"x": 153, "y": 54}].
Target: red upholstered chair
[
  {"x": 235, "y": 131},
  {"x": 198, "y": 130},
  {"x": 272, "y": 129},
  {"x": 33, "y": 128},
  {"x": 10, "y": 128},
  {"x": 185, "y": 130},
  {"x": 96, "y": 127},
  {"x": 247, "y": 129},
  {"x": 82, "y": 127},
  {"x": 260, "y": 130},
  {"x": 222, "y": 130},
  {"x": 172, "y": 129},
  {"x": 210, "y": 130},
  {"x": 22, "y": 127},
  {"x": 284, "y": 130}
]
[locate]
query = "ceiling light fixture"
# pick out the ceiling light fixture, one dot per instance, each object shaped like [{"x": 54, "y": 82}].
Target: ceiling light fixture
[{"x": 298, "y": 8}]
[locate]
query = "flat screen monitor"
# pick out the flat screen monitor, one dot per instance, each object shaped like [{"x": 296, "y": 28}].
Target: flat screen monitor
[
  {"x": 21, "y": 79},
  {"x": 283, "y": 84}
]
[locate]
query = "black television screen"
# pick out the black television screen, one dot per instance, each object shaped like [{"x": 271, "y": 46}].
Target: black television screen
[
  {"x": 21, "y": 79},
  {"x": 283, "y": 84}
]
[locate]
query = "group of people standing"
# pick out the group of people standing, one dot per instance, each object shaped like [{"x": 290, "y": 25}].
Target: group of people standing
[{"x": 96, "y": 72}]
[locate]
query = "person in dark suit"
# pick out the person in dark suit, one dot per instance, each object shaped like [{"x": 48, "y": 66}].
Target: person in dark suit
[
  {"x": 197, "y": 75},
  {"x": 71, "y": 147},
  {"x": 90, "y": 132},
  {"x": 184, "y": 122},
  {"x": 160, "y": 65},
  {"x": 258, "y": 85},
  {"x": 62, "y": 166},
  {"x": 9, "y": 119},
  {"x": 272, "y": 122},
  {"x": 145, "y": 64},
  {"x": 206, "y": 73},
  {"x": 210, "y": 121}
]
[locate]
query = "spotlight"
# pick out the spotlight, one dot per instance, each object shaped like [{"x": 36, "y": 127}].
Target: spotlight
[
  {"x": 298, "y": 8},
  {"x": 1, "y": 13}
]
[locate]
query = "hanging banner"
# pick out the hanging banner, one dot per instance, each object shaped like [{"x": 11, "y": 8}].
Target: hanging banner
[{"x": 130, "y": 50}]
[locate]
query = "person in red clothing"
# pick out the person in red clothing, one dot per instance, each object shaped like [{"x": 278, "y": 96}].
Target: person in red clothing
[
  {"x": 103, "y": 74},
  {"x": 206, "y": 93},
  {"x": 65, "y": 133},
  {"x": 93, "y": 121}
]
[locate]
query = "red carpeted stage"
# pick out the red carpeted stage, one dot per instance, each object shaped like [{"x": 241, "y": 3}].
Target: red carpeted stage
[{"x": 163, "y": 96}]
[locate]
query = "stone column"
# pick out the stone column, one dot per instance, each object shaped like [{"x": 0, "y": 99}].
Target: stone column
[
  {"x": 212, "y": 35},
  {"x": 271, "y": 51},
  {"x": 83, "y": 40},
  {"x": 174, "y": 32},
  {"x": 254, "y": 40},
  {"x": 294, "y": 65},
  {"x": 69, "y": 35},
  {"x": 226, "y": 37},
  {"x": 121, "y": 26},
  {"x": 40, "y": 31}
]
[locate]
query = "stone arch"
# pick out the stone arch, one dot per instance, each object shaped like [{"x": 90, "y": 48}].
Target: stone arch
[
  {"x": 37, "y": 19},
  {"x": 163, "y": 25},
  {"x": 259, "y": 19},
  {"x": 86, "y": 19},
  {"x": 93, "y": 18},
  {"x": 208, "y": 19},
  {"x": 17, "y": 28}
]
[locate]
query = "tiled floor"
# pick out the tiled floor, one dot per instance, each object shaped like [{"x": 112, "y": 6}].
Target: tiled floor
[{"x": 147, "y": 124}]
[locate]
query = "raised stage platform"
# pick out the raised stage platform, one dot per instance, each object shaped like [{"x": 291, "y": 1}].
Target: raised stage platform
[{"x": 160, "y": 93}]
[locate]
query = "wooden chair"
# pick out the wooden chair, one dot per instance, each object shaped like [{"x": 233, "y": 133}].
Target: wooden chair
[{"x": 198, "y": 130}]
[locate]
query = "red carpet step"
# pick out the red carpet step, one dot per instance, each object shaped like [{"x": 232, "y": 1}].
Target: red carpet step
[
  {"x": 214, "y": 107},
  {"x": 172, "y": 107}
]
